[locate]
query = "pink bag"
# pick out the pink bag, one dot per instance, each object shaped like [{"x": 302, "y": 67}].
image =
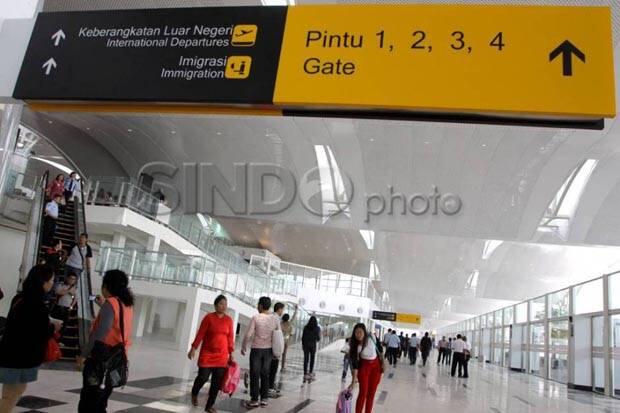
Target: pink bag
[
  {"x": 231, "y": 379},
  {"x": 345, "y": 402}
]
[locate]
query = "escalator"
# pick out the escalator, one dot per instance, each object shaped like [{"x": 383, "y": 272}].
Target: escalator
[{"x": 70, "y": 224}]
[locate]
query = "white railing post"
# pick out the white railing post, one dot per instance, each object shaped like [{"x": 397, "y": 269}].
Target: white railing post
[{"x": 134, "y": 253}]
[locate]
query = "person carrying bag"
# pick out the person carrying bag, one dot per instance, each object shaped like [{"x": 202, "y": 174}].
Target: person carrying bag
[{"x": 106, "y": 365}]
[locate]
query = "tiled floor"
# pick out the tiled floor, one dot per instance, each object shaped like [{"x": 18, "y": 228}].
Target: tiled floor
[{"x": 161, "y": 380}]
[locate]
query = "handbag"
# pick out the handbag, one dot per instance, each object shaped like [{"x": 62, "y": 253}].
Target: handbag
[
  {"x": 345, "y": 402},
  {"x": 231, "y": 379},
  {"x": 52, "y": 351},
  {"x": 108, "y": 366},
  {"x": 380, "y": 354},
  {"x": 277, "y": 343}
]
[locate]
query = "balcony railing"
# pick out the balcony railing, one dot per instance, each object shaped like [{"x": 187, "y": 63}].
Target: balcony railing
[
  {"x": 322, "y": 280},
  {"x": 190, "y": 270}
]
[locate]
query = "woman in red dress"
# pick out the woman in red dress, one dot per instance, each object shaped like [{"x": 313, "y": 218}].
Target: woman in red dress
[
  {"x": 217, "y": 335},
  {"x": 56, "y": 187}
]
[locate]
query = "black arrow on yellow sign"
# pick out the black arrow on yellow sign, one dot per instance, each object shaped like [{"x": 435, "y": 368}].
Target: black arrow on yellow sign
[{"x": 567, "y": 50}]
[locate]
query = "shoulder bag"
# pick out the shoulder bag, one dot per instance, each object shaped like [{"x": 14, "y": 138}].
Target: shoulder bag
[
  {"x": 277, "y": 342},
  {"x": 107, "y": 365},
  {"x": 380, "y": 354}
]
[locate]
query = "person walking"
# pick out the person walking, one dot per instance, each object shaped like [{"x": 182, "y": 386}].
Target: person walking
[
  {"x": 260, "y": 337},
  {"x": 414, "y": 346},
  {"x": 27, "y": 332},
  {"x": 309, "y": 339},
  {"x": 346, "y": 360},
  {"x": 425, "y": 347},
  {"x": 458, "y": 348},
  {"x": 441, "y": 349},
  {"x": 466, "y": 357},
  {"x": 216, "y": 339},
  {"x": 287, "y": 331},
  {"x": 447, "y": 358},
  {"x": 393, "y": 348},
  {"x": 112, "y": 327},
  {"x": 278, "y": 311},
  {"x": 366, "y": 362}
]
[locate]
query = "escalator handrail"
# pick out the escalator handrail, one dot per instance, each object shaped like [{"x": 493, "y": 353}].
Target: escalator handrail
[
  {"x": 80, "y": 227},
  {"x": 43, "y": 183}
]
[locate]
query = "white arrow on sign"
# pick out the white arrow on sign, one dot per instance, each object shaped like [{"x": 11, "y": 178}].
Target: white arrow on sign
[
  {"x": 58, "y": 36},
  {"x": 51, "y": 63}
]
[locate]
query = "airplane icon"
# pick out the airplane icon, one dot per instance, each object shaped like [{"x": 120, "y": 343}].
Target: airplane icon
[{"x": 244, "y": 35}]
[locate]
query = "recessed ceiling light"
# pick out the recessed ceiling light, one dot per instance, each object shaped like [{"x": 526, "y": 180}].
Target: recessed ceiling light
[
  {"x": 20, "y": 145},
  {"x": 49, "y": 121},
  {"x": 87, "y": 128},
  {"x": 219, "y": 133},
  {"x": 129, "y": 130},
  {"x": 426, "y": 143},
  {"x": 173, "y": 132},
  {"x": 372, "y": 139},
  {"x": 484, "y": 145}
]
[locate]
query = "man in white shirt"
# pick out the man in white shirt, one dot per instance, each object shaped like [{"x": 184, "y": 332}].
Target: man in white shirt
[
  {"x": 50, "y": 215},
  {"x": 393, "y": 348},
  {"x": 458, "y": 349},
  {"x": 414, "y": 344},
  {"x": 79, "y": 258},
  {"x": 441, "y": 348},
  {"x": 466, "y": 357}
]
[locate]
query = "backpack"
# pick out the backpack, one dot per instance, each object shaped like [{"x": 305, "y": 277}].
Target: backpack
[
  {"x": 345, "y": 402},
  {"x": 231, "y": 379}
]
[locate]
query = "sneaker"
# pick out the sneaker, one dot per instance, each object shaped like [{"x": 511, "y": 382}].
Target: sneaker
[
  {"x": 264, "y": 403},
  {"x": 273, "y": 393},
  {"x": 250, "y": 404}
]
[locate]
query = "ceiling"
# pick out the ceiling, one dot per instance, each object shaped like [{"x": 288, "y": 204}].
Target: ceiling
[{"x": 506, "y": 178}]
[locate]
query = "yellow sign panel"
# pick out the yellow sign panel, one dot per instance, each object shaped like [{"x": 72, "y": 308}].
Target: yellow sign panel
[
  {"x": 244, "y": 35},
  {"x": 540, "y": 60},
  {"x": 238, "y": 67},
  {"x": 409, "y": 318}
]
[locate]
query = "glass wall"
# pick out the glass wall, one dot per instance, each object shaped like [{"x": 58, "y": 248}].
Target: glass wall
[{"x": 535, "y": 335}]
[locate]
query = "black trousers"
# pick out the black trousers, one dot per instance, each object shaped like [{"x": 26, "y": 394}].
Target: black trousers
[
  {"x": 309, "y": 358},
  {"x": 260, "y": 363},
  {"x": 425, "y": 354},
  {"x": 457, "y": 360},
  {"x": 392, "y": 353},
  {"x": 465, "y": 366},
  {"x": 442, "y": 353},
  {"x": 447, "y": 356},
  {"x": 93, "y": 399},
  {"x": 413, "y": 355},
  {"x": 217, "y": 376},
  {"x": 273, "y": 372}
]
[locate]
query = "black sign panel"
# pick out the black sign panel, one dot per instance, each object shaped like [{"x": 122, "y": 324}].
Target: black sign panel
[
  {"x": 383, "y": 315},
  {"x": 223, "y": 55}
]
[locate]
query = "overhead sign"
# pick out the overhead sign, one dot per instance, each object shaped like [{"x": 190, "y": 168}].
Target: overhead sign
[
  {"x": 471, "y": 61},
  {"x": 456, "y": 58},
  {"x": 207, "y": 55},
  {"x": 397, "y": 317}
]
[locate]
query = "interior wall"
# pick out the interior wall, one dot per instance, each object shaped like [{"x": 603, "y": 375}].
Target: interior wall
[{"x": 11, "y": 251}]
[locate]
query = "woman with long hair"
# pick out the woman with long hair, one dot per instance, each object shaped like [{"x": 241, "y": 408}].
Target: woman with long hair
[
  {"x": 216, "y": 339},
  {"x": 366, "y": 363},
  {"x": 309, "y": 338},
  {"x": 117, "y": 302},
  {"x": 28, "y": 330}
]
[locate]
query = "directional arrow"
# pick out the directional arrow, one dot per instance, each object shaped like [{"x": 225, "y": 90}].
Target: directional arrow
[
  {"x": 567, "y": 50},
  {"x": 58, "y": 36},
  {"x": 51, "y": 63}
]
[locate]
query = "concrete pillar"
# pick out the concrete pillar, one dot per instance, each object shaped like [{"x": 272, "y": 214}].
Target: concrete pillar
[
  {"x": 153, "y": 243},
  {"x": 189, "y": 323},
  {"x": 151, "y": 316},
  {"x": 119, "y": 240},
  {"x": 142, "y": 310}
]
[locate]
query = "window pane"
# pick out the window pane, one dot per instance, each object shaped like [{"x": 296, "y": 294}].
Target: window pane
[
  {"x": 558, "y": 304},
  {"x": 614, "y": 291},
  {"x": 498, "y": 318},
  {"x": 537, "y": 348},
  {"x": 521, "y": 313},
  {"x": 588, "y": 297},
  {"x": 537, "y": 308},
  {"x": 558, "y": 351},
  {"x": 508, "y": 311}
]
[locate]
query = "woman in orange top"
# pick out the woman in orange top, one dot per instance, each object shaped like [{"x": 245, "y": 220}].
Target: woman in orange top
[
  {"x": 117, "y": 301},
  {"x": 217, "y": 336}
]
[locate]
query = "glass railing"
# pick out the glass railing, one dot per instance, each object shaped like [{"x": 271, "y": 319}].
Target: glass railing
[
  {"x": 301, "y": 276},
  {"x": 192, "y": 270},
  {"x": 112, "y": 191}
]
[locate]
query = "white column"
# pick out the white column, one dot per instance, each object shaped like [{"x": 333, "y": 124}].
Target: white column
[
  {"x": 235, "y": 322},
  {"x": 119, "y": 240},
  {"x": 153, "y": 243},
  {"x": 188, "y": 323},
  {"x": 9, "y": 125},
  {"x": 151, "y": 316},
  {"x": 142, "y": 309}
]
